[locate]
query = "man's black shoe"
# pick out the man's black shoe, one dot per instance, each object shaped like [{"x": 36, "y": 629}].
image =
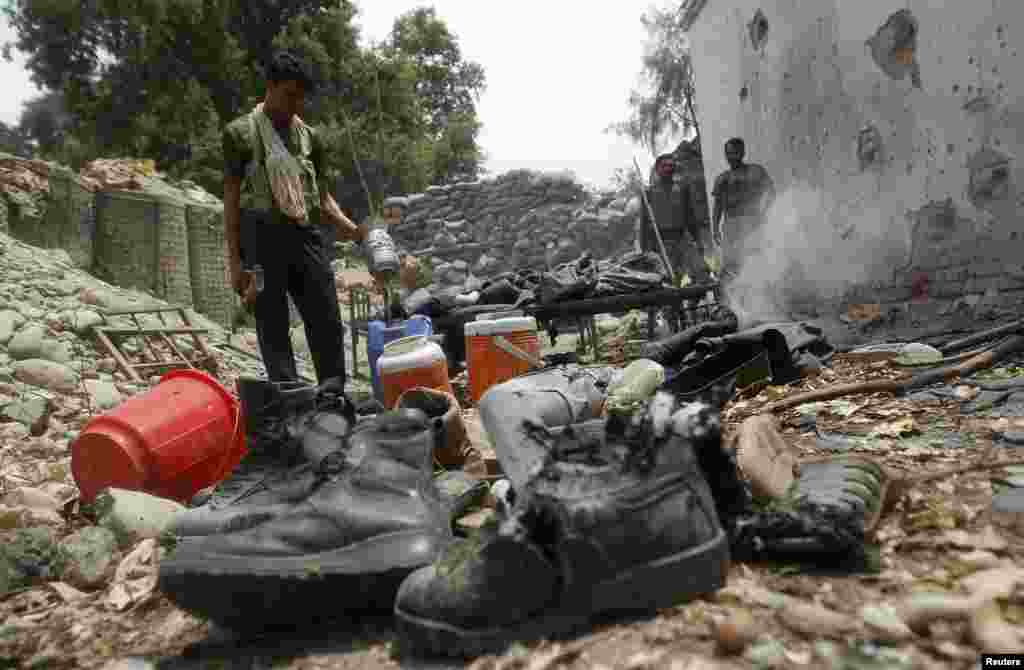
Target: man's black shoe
[
  {"x": 611, "y": 523},
  {"x": 343, "y": 550}
]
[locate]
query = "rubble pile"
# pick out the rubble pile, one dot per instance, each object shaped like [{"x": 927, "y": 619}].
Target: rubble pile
[{"x": 521, "y": 219}]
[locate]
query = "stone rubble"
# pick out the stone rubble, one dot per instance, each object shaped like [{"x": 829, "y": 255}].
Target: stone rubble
[
  {"x": 54, "y": 377},
  {"x": 473, "y": 230}
]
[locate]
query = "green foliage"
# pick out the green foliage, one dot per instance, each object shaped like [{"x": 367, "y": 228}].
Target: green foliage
[
  {"x": 160, "y": 79},
  {"x": 663, "y": 107},
  {"x": 14, "y": 141},
  {"x": 449, "y": 85}
]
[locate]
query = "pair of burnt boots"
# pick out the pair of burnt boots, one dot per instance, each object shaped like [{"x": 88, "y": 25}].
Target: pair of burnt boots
[{"x": 618, "y": 517}]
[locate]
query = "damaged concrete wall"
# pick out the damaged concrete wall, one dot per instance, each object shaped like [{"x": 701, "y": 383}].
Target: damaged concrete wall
[{"x": 893, "y": 132}]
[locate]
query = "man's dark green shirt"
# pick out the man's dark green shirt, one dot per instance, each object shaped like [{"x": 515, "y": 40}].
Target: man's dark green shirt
[{"x": 237, "y": 143}]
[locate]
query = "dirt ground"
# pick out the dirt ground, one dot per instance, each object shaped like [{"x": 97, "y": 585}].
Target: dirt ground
[{"x": 941, "y": 539}]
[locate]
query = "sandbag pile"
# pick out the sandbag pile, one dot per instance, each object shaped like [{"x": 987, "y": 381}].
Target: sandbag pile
[
  {"x": 24, "y": 174},
  {"x": 119, "y": 173}
]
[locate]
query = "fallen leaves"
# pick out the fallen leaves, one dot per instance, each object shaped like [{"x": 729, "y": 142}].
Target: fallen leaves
[
  {"x": 897, "y": 429},
  {"x": 991, "y": 632},
  {"x": 987, "y": 540},
  {"x": 135, "y": 579}
]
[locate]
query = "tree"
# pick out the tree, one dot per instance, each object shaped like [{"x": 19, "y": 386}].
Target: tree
[
  {"x": 45, "y": 121},
  {"x": 14, "y": 141},
  {"x": 664, "y": 106},
  {"x": 159, "y": 78},
  {"x": 449, "y": 85}
]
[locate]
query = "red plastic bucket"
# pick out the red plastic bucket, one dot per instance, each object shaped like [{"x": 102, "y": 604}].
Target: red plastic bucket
[{"x": 179, "y": 437}]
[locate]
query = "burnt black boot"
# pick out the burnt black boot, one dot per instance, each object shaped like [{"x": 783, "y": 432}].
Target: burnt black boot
[
  {"x": 295, "y": 434},
  {"x": 617, "y": 519},
  {"x": 823, "y": 520},
  {"x": 343, "y": 550},
  {"x": 271, "y": 415}
]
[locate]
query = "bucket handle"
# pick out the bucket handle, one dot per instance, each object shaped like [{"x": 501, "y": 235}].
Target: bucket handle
[{"x": 513, "y": 350}]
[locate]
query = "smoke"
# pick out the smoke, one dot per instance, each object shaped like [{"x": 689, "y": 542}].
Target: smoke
[{"x": 811, "y": 250}]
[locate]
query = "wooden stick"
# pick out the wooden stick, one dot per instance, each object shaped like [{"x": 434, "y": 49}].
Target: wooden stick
[
  {"x": 654, "y": 225},
  {"x": 116, "y": 353},
  {"x": 896, "y": 487},
  {"x": 904, "y": 384}
]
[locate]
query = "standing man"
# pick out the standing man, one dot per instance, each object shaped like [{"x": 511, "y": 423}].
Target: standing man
[
  {"x": 276, "y": 193},
  {"x": 676, "y": 218},
  {"x": 743, "y": 194}
]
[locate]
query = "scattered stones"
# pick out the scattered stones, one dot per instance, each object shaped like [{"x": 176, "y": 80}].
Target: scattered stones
[
  {"x": 467, "y": 223},
  {"x": 46, "y": 374},
  {"x": 104, "y": 395},
  {"x": 134, "y": 516},
  {"x": 82, "y": 321},
  {"x": 27, "y": 343},
  {"x": 30, "y": 411},
  {"x": 10, "y": 322}
]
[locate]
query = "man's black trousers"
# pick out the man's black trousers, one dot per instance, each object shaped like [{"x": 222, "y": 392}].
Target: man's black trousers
[{"x": 295, "y": 262}]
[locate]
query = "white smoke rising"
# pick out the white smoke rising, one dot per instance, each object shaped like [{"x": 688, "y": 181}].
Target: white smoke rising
[{"x": 811, "y": 249}]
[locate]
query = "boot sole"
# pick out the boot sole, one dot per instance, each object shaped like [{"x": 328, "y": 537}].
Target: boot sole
[
  {"x": 657, "y": 585},
  {"x": 260, "y": 593}
]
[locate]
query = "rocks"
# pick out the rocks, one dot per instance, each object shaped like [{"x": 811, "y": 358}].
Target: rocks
[
  {"x": 39, "y": 508},
  {"x": 532, "y": 211},
  {"x": 103, "y": 394},
  {"x": 33, "y": 341},
  {"x": 82, "y": 321},
  {"x": 46, "y": 374},
  {"x": 134, "y": 516},
  {"x": 90, "y": 557},
  {"x": 10, "y": 322},
  {"x": 30, "y": 411}
]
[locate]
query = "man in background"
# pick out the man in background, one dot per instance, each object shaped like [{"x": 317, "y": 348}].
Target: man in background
[
  {"x": 675, "y": 214},
  {"x": 742, "y": 194}
]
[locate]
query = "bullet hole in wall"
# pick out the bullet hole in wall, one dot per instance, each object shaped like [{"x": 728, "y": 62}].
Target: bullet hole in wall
[
  {"x": 869, "y": 147},
  {"x": 950, "y": 147},
  {"x": 744, "y": 93},
  {"x": 758, "y": 30},
  {"x": 990, "y": 177},
  {"x": 894, "y": 45}
]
